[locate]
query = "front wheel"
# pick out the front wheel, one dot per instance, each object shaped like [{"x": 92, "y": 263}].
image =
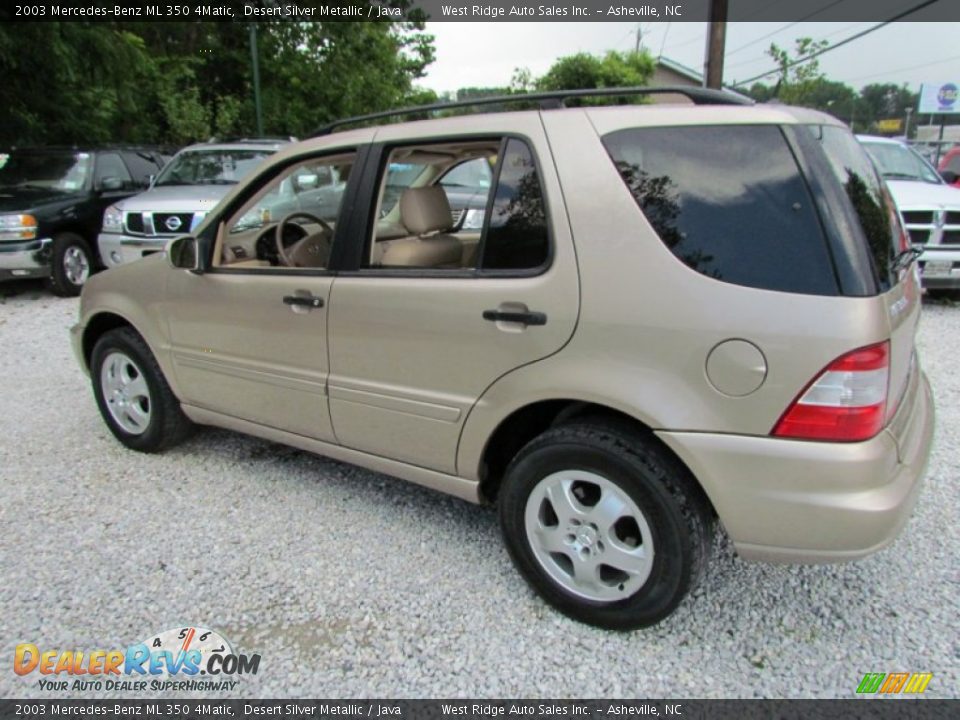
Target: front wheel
[
  {"x": 71, "y": 264},
  {"x": 607, "y": 526},
  {"x": 133, "y": 396}
]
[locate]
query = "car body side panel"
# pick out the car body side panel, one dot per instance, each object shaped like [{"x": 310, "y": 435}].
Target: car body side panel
[{"x": 135, "y": 293}]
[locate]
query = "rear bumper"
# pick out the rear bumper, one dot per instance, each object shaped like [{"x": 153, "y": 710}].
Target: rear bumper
[
  {"x": 117, "y": 249},
  {"x": 29, "y": 259},
  {"x": 813, "y": 502}
]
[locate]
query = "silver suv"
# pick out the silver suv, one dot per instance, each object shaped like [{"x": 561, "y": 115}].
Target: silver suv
[
  {"x": 669, "y": 315},
  {"x": 930, "y": 209},
  {"x": 180, "y": 196}
]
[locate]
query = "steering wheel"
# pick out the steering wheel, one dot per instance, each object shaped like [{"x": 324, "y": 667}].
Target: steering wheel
[{"x": 310, "y": 250}]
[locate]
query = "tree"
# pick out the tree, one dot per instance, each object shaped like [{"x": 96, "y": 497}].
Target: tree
[
  {"x": 91, "y": 82},
  {"x": 797, "y": 80},
  {"x": 615, "y": 69}
]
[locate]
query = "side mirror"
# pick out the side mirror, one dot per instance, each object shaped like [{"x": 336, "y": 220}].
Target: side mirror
[
  {"x": 111, "y": 183},
  {"x": 182, "y": 253},
  {"x": 150, "y": 180},
  {"x": 949, "y": 176}
]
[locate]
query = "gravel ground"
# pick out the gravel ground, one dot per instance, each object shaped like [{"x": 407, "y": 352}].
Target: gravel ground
[{"x": 352, "y": 584}]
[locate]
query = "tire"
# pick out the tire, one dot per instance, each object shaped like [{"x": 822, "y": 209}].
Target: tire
[
  {"x": 132, "y": 394},
  {"x": 575, "y": 480},
  {"x": 71, "y": 264}
]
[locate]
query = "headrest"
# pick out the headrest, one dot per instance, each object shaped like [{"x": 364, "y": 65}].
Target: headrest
[{"x": 425, "y": 209}]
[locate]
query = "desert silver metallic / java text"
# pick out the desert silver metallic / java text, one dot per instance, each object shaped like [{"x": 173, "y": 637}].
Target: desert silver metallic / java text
[
  {"x": 125, "y": 392},
  {"x": 589, "y": 535}
]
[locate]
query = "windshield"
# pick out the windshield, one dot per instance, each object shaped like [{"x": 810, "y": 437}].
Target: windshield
[
  {"x": 898, "y": 162},
  {"x": 52, "y": 171},
  {"x": 211, "y": 167}
]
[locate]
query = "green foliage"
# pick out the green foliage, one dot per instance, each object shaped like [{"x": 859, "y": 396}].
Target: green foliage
[
  {"x": 615, "y": 69},
  {"x": 805, "y": 85},
  {"x": 83, "y": 82}
]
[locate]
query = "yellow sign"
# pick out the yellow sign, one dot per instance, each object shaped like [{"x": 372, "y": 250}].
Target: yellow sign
[{"x": 890, "y": 125}]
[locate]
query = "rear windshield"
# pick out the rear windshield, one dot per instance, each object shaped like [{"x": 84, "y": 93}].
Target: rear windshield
[
  {"x": 728, "y": 201},
  {"x": 868, "y": 195}
]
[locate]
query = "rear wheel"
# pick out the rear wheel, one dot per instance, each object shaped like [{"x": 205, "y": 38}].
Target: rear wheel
[
  {"x": 133, "y": 396},
  {"x": 71, "y": 264},
  {"x": 607, "y": 526}
]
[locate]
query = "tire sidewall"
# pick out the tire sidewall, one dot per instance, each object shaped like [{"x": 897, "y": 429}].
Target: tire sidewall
[
  {"x": 152, "y": 437},
  {"x": 670, "y": 574}
]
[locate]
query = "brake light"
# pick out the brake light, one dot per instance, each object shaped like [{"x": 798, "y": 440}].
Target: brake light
[{"x": 846, "y": 402}]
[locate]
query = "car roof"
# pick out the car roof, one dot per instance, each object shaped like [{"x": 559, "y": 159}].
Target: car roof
[
  {"x": 879, "y": 139},
  {"x": 270, "y": 145},
  {"x": 41, "y": 149}
]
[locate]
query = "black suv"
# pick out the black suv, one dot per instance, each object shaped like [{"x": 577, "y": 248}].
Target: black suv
[{"x": 51, "y": 206}]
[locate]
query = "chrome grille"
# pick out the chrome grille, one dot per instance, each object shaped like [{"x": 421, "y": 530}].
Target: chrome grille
[
  {"x": 134, "y": 223},
  {"x": 918, "y": 217},
  {"x": 181, "y": 225}
]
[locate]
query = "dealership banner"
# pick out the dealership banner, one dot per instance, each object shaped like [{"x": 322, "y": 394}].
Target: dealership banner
[
  {"x": 484, "y": 709},
  {"x": 464, "y": 11}
]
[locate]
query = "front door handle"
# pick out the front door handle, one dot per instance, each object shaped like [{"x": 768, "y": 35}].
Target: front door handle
[
  {"x": 527, "y": 317},
  {"x": 309, "y": 301}
]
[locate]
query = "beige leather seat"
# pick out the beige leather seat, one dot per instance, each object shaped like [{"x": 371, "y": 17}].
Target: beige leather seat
[{"x": 425, "y": 213}]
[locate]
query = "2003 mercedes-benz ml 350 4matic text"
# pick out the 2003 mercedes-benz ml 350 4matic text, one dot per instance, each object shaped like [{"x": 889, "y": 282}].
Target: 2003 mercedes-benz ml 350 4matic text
[{"x": 670, "y": 314}]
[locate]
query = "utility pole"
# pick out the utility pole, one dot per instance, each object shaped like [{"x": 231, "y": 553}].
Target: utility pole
[
  {"x": 716, "y": 45},
  {"x": 906, "y": 125},
  {"x": 256, "y": 78}
]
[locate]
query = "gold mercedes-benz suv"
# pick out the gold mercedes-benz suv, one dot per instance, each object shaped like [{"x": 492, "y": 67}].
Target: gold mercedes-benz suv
[{"x": 618, "y": 324}]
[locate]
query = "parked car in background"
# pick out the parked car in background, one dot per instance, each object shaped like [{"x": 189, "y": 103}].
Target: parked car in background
[
  {"x": 51, "y": 207},
  {"x": 929, "y": 206},
  {"x": 190, "y": 185},
  {"x": 667, "y": 315},
  {"x": 950, "y": 167}
]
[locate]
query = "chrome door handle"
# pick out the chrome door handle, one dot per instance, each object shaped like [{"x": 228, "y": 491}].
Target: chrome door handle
[
  {"x": 527, "y": 318},
  {"x": 309, "y": 301}
]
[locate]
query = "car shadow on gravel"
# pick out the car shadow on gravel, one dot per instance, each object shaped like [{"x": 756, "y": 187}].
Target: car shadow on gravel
[
  {"x": 24, "y": 289},
  {"x": 797, "y": 603}
]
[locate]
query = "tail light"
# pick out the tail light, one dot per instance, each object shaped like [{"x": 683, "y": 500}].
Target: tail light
[{"x": 846, "y": 402}]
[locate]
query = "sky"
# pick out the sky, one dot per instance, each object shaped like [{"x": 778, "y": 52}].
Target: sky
[{"x": 485, "y": 54}]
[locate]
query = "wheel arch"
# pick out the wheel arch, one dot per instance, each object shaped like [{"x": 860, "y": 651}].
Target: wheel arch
[
  {"x": 97, "y": 326},
  {"x": 527, "y": 422}
]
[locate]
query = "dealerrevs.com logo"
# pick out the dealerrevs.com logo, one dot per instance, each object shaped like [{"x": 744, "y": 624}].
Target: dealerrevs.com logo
[{"x": 190, "y": 658}]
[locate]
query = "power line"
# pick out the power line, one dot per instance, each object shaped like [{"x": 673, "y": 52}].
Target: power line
[
  {"x": 665, "y": 33},
  {"x": 698, "y": 38},
  {"x": 843, "y": 42},
  {"x": 788, "y": 25},
  {"x": 764, "y": 56},
  {"x": 905, "y": 69}
]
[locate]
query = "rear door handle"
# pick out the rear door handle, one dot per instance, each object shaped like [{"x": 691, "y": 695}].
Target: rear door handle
[
  {"x": 528, "y": 317},
  {"x": 309, "y": 301}
]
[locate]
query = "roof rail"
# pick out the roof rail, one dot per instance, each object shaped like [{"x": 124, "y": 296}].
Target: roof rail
[{"x": 551, "y": 100}]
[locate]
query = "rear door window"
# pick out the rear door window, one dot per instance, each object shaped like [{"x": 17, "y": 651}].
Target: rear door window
[
  {"x": 729, "y": 202},
  {"x": 517, "y": 237}
]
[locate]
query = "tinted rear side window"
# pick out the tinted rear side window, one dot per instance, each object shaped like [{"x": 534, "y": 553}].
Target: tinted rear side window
[
  {"x": 867, "y": 194},
  {"x": 729, "y": 201},
  {"x": 517, "y": 236}
]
